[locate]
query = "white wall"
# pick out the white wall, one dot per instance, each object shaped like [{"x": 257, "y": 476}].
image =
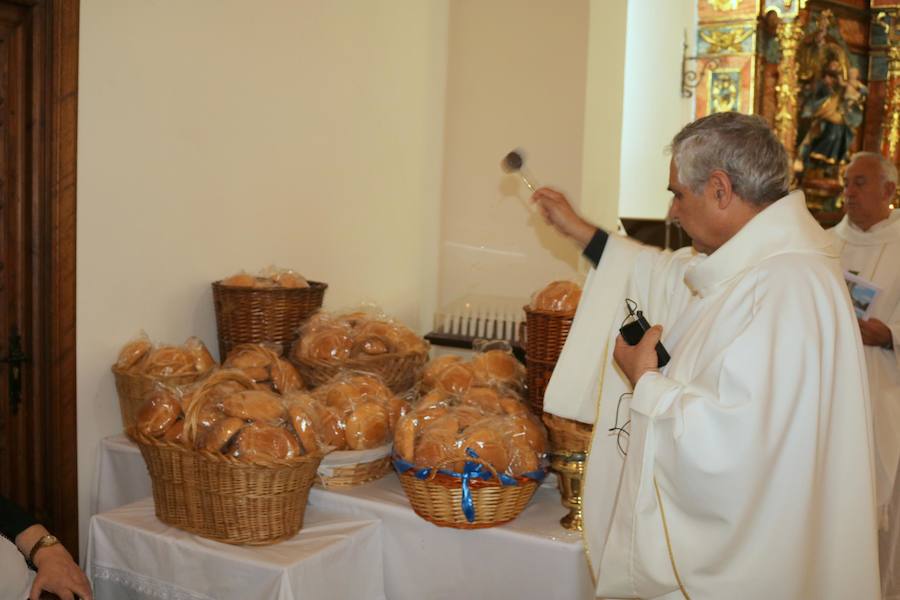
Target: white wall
[
  {"x": 603, "y": 111},
  {"x": 516, "y": 78},
  {"x": 653, "y": 108},
  {"x": 216, "y": 136}
]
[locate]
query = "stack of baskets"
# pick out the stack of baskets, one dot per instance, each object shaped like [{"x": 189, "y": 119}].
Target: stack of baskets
[
  {"x": 263, "y": 314},
  {"x": 545, "y": 335}
]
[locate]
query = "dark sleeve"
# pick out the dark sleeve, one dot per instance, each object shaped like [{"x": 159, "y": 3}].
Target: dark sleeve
[
  {"x": 13, "y": 520},
  {"x": 594, "y": 249}
]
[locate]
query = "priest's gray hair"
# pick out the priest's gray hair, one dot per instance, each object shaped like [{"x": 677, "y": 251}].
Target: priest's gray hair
[
  {"x": 888, "y": 170},
  {"x": 742, "y": 146}
]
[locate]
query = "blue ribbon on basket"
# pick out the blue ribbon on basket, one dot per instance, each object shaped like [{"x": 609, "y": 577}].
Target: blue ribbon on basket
[{"x": 472, "y": 470}]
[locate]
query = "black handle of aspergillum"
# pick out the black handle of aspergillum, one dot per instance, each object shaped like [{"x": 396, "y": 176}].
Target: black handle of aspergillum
[{"x": 633, "y": 332}]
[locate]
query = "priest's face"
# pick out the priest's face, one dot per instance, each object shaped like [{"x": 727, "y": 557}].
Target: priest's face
[
  {"x": 866, "y": 193},
  {"x": 695, "y": 212}
]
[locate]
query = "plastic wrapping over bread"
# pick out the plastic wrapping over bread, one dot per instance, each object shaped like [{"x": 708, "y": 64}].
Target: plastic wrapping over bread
[
  {"x": 493, "y": 365},
  {"x": 160, "y": 412},
  {"x": 443, "y": 429},
  {"x": 355, "y": 335},
  {"x": 267, "y": 278},
  {"x": 142, "y": 356},
  {"x": 264, "y": 365},
  {"x": 557, "y": 297},
  {"x": 354, "y": 411},
  {"x": 229, "y": 413}
]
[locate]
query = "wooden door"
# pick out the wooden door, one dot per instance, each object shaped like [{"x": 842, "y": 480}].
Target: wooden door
[{"x": 38, "y": 103}]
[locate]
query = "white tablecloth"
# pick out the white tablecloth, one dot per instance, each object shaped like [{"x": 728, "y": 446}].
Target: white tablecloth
[
  {"x": 532, "y": 557},
  {"x": 132, "y": 555}
]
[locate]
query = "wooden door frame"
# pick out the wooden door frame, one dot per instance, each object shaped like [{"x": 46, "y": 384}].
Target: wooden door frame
[{"x": 52, "y": 201}]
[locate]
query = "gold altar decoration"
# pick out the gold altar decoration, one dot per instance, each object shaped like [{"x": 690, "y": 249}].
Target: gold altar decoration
[
  {"x": 725, "y": 39},
  {"x": 787, "y": 90},
  {"x": 824, "y": 73},
  {"x": 724, "y": 4},
  {"x": 569, "y": 469},
  {"x": 570, "y": 442}
]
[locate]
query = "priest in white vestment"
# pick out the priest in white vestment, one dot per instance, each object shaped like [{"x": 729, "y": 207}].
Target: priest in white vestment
[
  {"x": 868, "y": 238},
  {"x": 749, "y": 469}
]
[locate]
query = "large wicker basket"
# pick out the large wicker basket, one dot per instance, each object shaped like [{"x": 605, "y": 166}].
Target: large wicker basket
[
  {"x": 545, "y": 333},
  {"x": 133, "y": 389},
  {"x": 253, "y": 315},
  {"x": 224, "y": 499},
  {"x": 438, "y": 498},
  {"x": 399, "y": 371}
]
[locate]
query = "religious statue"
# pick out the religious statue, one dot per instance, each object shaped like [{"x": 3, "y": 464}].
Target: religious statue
[
  {"x": 835, "y": 111},
  {"x": 831, "y": 102}
]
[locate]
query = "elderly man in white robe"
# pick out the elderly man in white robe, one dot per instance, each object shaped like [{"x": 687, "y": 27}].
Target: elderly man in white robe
[
  {"x": 749, "y": 468},
  {"x": 868, "y": 238}
]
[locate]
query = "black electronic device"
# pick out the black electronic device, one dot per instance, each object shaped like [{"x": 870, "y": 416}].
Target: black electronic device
[{"x": 633, "y": 331}]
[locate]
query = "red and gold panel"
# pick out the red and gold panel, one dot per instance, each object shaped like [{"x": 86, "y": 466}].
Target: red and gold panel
[
  {"x": 885, "y": 4},
  {"x": 728, "y": 83}
]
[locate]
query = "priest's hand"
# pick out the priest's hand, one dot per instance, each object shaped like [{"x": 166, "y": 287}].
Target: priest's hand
[
  {"x": 557, "y": 211},
  {"x": 875, "y": 333},
  {"x": 637, "y": 360}
]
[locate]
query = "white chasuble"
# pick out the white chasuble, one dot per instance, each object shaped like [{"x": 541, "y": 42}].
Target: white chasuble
[
  {"x": 874, "y": 255},
  {"x": 749, "y": 469}
]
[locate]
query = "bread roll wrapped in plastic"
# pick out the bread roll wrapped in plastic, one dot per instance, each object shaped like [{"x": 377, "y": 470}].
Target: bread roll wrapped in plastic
[
  {"x": 175, "y": 433},
  {"x": 303, "y": 417},
  {"x": 264, "y": 365},
  {"x": 361, "y": 407},
  {"x": 241, "y": 279},
  {"x": 558, "y": 297},
  {"x": 437, "y": 432},
  {"x": 325, "y": 339},
  {"x": 358, "y": 334},
  {"x": 494, "y": 364},
  {"x": 134, "y": 352},
  {"x": 159, "y": 412},
  {"x": 141, "y": 355},
  {"x": 258, "y": 443},
  {"x": 203, "y": 360},
  {"x": 218, "y": 437},
  {"x": 203, "y": 403},
  {"x": 290, "y": 279},
  {"x": 256, "y": 405}
]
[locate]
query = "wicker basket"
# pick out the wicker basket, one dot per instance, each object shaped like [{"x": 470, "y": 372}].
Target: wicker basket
[
  {"x": 438, "y": 498},
  {"x": 537, "y": 376},
  {"x": 224, "y": 499},
  {"x": 253, "y": 315},
  {"x": 399, "y": 371},
  {"x": 356, "y": 474},
  {"x": 545, "y": 333},
  {"x": 133, "y": 389},
  {"x": 568, "y": 436}
]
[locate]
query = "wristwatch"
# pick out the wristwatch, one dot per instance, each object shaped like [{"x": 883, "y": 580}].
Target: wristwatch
[{"x": 47, "y": 540}]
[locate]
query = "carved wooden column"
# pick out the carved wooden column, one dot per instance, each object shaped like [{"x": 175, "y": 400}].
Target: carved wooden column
[{"x": 789, "y": 35}]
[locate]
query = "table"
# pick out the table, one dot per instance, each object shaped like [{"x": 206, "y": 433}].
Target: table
[
  {"x": 532, "y": 557},
  {"x": 132, "y": 555}
]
